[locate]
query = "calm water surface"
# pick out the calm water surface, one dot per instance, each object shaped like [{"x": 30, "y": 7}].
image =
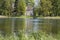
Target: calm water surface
[{"x": 10, "y": 25}]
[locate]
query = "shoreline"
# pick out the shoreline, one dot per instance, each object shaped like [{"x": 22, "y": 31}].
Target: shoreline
[
  {"x": 50, "y": 17},
  {"x": 31, "y": 17}
]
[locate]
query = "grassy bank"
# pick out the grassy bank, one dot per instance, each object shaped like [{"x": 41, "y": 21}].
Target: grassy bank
[
  {"x": 32, "y": 36},
  {"x": 57, "y": 17}
]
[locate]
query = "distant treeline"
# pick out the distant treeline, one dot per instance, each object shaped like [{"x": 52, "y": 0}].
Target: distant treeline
[
  {"x": 48, "y": 8},
  {"x": 18, "y": 7}
]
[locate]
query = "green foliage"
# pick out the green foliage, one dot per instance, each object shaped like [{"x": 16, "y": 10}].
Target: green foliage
[
  {"x": 50, "y": 7},
  {"x": 55, "y": 7},
  {"x": 6, "y": 7},
  {"x": 46, "y": 7},
  {"x": 20, "y": 7},
  {"x": 1, "y": 2},
  {"x": 58, "y": 7},
  {"x": 30, "y": 1},
  {"x": 35, "y": 11},
  {"x": 33, "y": 36}
]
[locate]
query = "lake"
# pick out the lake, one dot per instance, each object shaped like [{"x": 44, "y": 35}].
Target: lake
[{"x": 13, "y": 25}]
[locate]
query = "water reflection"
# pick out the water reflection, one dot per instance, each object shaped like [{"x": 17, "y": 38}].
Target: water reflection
[
  {"x": 45, "y": 25},
  {"x": 11, "y": 25}
]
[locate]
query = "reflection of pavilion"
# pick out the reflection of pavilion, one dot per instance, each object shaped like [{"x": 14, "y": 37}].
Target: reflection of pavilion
[
  {"x": 29, "y": 25},
  {"x": 32, "y": 25}
]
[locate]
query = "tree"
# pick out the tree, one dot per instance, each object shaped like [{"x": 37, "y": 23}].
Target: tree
[
  {"x": 30, "y": 1},
  {"x": 58, "y": 7},
  {"x": 46, "y": 7},
  {"x": 55, "y": 7},
  {"x": 36, "y": 8},
  {"x": 6, "y": 7},
  {"x": 36, "y": 11},
  {"x": 20, "y": 7},
  {"x": 1, "y": 2}
]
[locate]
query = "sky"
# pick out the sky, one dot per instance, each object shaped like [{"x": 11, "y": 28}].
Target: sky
[{"x": 36, "y": 2}]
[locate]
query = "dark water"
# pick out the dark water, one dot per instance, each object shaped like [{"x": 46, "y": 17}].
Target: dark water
[{"x": 10, "y": 25}]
